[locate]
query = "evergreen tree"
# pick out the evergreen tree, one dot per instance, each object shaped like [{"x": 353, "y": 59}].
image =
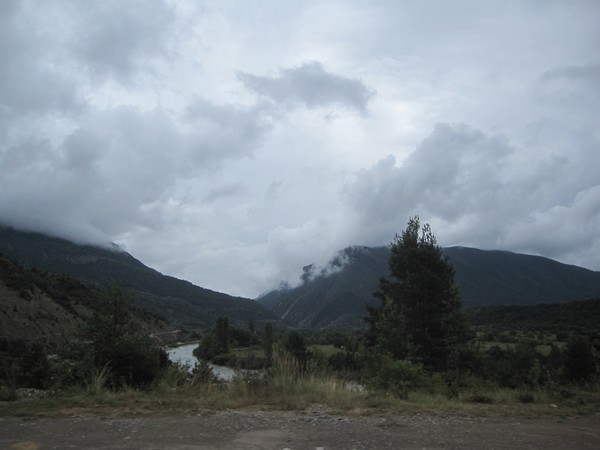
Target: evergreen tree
[
  {"x": 420, "y": 315},
  {"x": 119, "y": 345},
  {"x": 222, "y": 333},
  {"x": 268, "y": 343}
]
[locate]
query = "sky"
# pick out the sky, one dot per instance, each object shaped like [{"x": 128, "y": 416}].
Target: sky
[{"x": 231, "y": 143}]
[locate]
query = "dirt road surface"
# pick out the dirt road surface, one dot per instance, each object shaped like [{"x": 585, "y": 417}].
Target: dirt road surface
[{"x": 313, "y": 429}]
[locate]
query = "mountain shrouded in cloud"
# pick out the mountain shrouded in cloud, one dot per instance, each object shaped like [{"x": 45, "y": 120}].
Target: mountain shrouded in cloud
[{"x": 215, "y": 138}]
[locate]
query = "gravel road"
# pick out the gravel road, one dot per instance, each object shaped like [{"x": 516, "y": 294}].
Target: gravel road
[{"x": 312, "y": 429}]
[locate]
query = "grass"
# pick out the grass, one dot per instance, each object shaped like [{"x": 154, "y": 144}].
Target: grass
[
  {"x": 325, "y": 349},
  {"x": 248, "y": 352},
  {"x": 287, "y": 387},
  {"x": 286, "y": 390}
]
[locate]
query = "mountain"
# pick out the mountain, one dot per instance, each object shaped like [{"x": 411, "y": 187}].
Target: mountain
[
  {"x": 36, "y": 305},
  {"x": 337, "y": 296},
  {"x": 178, "y": 301},
  {"x": 333, "y": 299}
]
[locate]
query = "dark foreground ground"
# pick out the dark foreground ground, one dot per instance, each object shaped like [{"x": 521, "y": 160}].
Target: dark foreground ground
[{"x": 313, "y": 429}]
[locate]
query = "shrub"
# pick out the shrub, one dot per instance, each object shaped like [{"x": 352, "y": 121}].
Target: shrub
[
  {"x": 8, "y": 394},
  {"x": 398, "y": 376},
  {"x": 481, "y": 398},
  {"x": 579, "y": 359},
  {"x": 525, "y": 397},
  {"x": 129, "y": 355},
  {"x": 202, "y": 375}
]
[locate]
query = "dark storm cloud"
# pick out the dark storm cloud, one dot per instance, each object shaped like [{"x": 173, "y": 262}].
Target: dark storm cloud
[{"x": 311, "y": 85}]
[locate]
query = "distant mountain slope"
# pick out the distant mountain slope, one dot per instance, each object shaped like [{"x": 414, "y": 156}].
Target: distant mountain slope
[
  {"x": 484, "y": 277},
  {"x": 337, "y": 299},
  {"x": 501, "y": 277},
  {"x": 36, "y": 305},
  {"x": 573, "y": 317},
  {"x": 179, "y": 301}
]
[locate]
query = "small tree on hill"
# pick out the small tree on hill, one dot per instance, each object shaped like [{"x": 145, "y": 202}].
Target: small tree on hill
[
  {"x": 420, "y": 314},
  {"x": 119, "y": 345}
]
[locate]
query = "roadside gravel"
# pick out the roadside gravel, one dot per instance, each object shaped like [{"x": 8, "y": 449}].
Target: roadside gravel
[{"x": 315, "y": 428}]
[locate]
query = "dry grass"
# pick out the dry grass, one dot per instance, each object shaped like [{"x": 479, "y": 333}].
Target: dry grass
[
  {"x": 303, "y": 394},
  {"x": 288, "y": 388}
]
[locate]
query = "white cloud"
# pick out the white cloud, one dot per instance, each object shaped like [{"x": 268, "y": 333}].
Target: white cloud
[
  {"x": 233, "y": 144},
  {"x": 473, "y": 189}
]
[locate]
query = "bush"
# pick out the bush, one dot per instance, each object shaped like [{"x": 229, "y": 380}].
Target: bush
[
  {"x": 481, "y": 398},
  {"x": 24, "y": 364},
  {"x": 513, "y": 368},
  {"x": 397, "y": 376},
  {"x": 129, "y": 355},
  {"x": 8, "y": 394},
  {"x": 579, "y": 359},
  {"x": 343, "y": 362},
  {"x": 224, "y": 359},
  {"x": 202, "y": 375},
  {"x": 174, "y": 376},
  {"x": 295, "y": 345},
  {"x": 525, "y": 397}
]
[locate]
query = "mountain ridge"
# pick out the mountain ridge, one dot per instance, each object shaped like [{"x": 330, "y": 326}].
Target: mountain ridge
[
  {"x": 485, "y": 277},
  {"x": 39, "y": 306},
  {"x": 178, "y": 301}
]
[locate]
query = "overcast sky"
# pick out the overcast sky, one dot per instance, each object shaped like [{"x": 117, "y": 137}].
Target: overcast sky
[{"x": 230, "y": 143}]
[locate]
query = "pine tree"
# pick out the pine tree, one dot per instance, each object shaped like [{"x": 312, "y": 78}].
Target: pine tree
[{"x": 420, "y": 315}]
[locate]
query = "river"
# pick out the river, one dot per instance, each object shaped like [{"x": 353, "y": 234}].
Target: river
[{"x": 184, "y": 355}]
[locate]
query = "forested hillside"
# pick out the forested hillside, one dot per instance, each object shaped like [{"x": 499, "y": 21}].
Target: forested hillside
[
  {"x": 38, "y": 306},
  {"x": 178, "y": 301}
]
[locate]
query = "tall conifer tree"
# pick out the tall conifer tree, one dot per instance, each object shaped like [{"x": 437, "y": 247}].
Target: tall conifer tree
[{"x": 420, "y": 315}]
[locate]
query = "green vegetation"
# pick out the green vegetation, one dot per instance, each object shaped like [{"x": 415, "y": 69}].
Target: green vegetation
[
  {"x": 115, "y": 345},
  {"x": 226, "y": 345},
  {"x": 529, "y": 374},
  {"x": 288, "y": 386},
  {"x": 574, "y": 317},
  {"x": 420, "y": 316},
  {"x": 417, "y": 354},
  {"x": 111, "y": 351}
]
